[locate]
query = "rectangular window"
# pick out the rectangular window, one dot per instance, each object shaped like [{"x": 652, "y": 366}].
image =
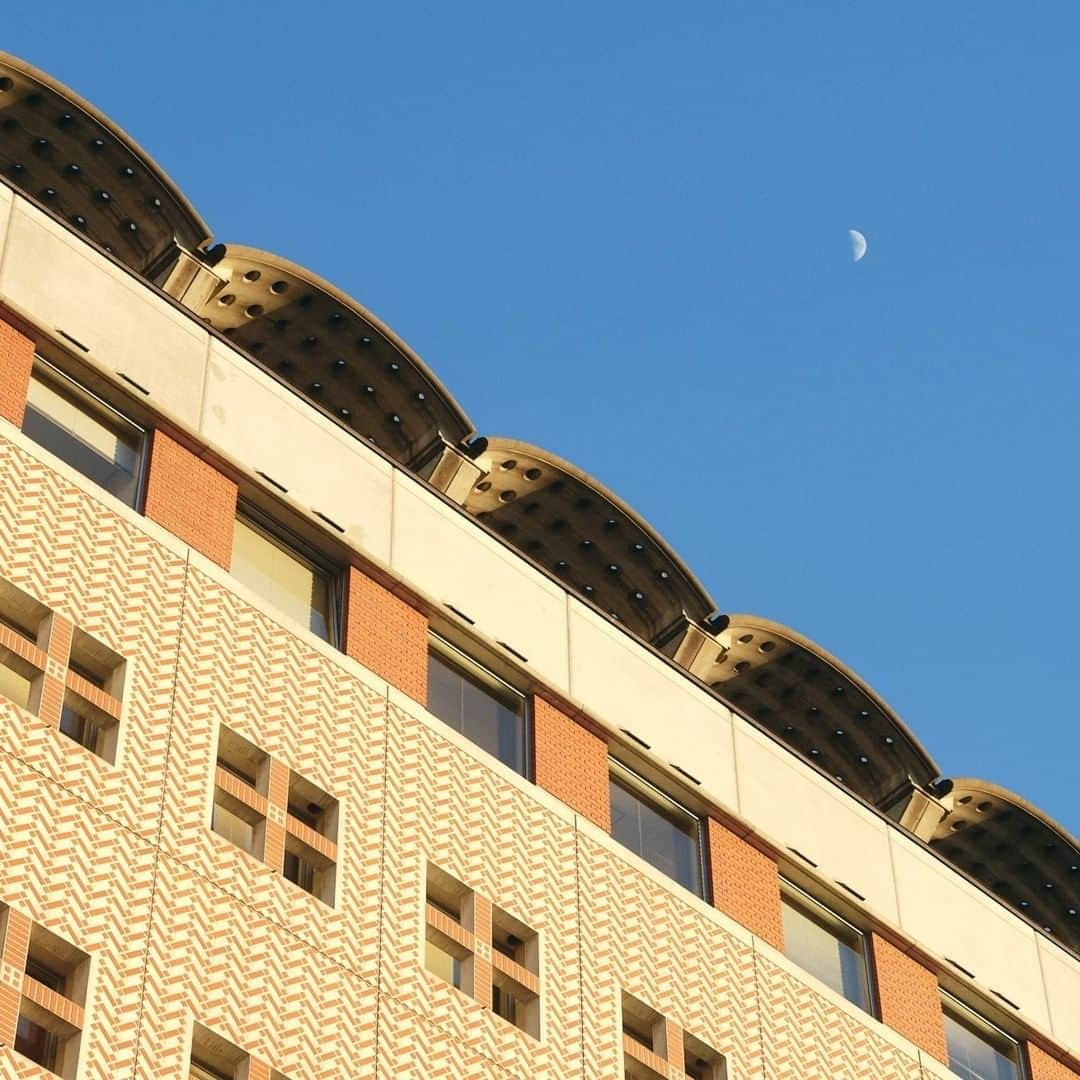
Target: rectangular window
[
  {"x": 285, "y": 575},
  {"x": 657, "y": 828},
  {"x": 977, "y": 1049},
  {"x": 214, "y": 1058},
  {"x": 82, "y": 430},
  {"x": 826, "y": 946},
  {"x": 234, "y": 816},
  {"x": 476, "y": 703}
]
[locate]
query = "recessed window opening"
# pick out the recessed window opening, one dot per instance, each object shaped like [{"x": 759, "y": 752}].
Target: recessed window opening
[
  {"x": 286, "y": 573},
  {"x": 233, "y": 818},
  {"x": 977, "y": 1049},
  {"x": 97, "y": 663},
  {"x": 84, "y": 431},
  {"x": 89, "y": 726},
  {"x": 23, "y": 616},
  {"x": 477, "y": 704},
  {"x": 702, "y": 1062},
  {"x": 214, "y": 1058},
  {"x": 16, "y": 678},
  {"x": 657, "y": 828},
  {"x": 825, "y": 945}
]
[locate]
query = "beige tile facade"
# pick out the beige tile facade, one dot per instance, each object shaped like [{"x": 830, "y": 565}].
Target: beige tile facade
[{"x": 181, "y": 926}]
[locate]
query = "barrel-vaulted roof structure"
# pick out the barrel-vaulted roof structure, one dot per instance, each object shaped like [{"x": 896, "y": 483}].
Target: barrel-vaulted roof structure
[
  {"x": 66, "y": 154},
  {"x": 79, "y": 166}
]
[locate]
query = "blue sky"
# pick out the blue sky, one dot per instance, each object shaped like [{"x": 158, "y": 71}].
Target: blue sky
[{"x": 620, "y": 231}]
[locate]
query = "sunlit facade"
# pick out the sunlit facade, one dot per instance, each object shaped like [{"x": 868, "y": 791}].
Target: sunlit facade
[{"x": 337, "y": 740}]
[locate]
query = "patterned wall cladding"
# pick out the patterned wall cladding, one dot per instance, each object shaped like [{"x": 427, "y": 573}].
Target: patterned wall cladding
[
  {"x": 212, "y": 958},
  {"x": 112, "y": 580},
  {"x": 411, "y": 1047},
  {"x": 241, "y": 668},
  {"x": 804, "y": 1034},
  {"x": 653, "y": 941},
  {"x": 78, "y": 873},
  {"x": 445, "y": 805}
]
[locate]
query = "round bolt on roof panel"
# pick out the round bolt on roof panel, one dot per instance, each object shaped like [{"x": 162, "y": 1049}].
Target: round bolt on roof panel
[
  {"x": 598, "y": 545},
  {"x": 95, "y": 174},
  {"x": 332, "y": 350}
]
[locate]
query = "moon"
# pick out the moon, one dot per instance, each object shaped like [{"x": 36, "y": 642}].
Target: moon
[{"x": 858, "y": 244}]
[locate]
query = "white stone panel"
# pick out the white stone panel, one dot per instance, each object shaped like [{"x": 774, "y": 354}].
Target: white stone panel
[
  {"x": 269, "y": 429},
  {"x": 61, "y": 283},
  {"x": 624, "y": 686},
  {"x": 1061, "y": 976},
  {"x": 443, "y": 553},
  {"x": 796, "y": 808},
  {"x": 949, "y": 916}
]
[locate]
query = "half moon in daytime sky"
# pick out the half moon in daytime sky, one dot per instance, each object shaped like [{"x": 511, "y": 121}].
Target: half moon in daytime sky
[{"x": 858, "y": 244}]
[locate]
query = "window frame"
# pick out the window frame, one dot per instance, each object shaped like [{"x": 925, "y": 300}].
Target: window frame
[
  {"x": 456, "y": 657},
  {"x": 976, "y": 1023},
  {"x": 819, "y": 911},
  {"x": 286, "y": 538},
  {"x": 48, "y": 371},
  {"x": 633, "y": 778}
]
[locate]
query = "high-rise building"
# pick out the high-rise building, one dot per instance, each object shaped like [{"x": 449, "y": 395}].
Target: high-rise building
[{"x": 337, "y": 741}]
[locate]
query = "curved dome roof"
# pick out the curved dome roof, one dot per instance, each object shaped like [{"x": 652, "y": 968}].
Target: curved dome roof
[
  {"x": 817, "y": 706},
  {"x": 1027, "y": 860},
  {"x": 333, "y": 351},
  {"x": 597, "y": 545},
  {"x": 63, "y": 152}
]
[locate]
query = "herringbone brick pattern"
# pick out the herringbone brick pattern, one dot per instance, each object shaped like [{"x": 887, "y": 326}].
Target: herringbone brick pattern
[
  {"x": 413, "y": 1048},
  {"x": 241, "y": 668},
  {"x": 804, "y": 1034},
  {"x": 445, "y": 806},
  {"x": 78, "y": 873},
  {"x": 100, "y": 571},
  {"x": 654, "y": 942},
  {"x": 215, "y": 960}
]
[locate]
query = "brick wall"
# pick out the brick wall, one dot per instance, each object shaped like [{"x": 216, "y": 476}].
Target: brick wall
[
  {"x": 190, "y": 498},
  {"x": 386, "y": 635},
  {"x": 909, "y": 997},
  {"x": 571, "y": 762},
  {"x": 745, "y": 883},
  {"x": 16, "y": 360},
  {"x": 1041, "y": 1066}
]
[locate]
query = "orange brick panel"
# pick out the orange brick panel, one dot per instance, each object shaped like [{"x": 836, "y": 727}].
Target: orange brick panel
[
  {"x": 571, "y": 762},
  {"x": 95, "y": 695},
  {"x": 52, "y": 1002},
  {"x": 61, "y": 631},
  {"x": 386, "y": 634},
  {"x": 1041, "y": 1066},
  {"x": 745, "y": 883},
  {"x": 16, "y": 361},
  {"x": 258, "y": 1070},
  {"x": 10, "y": 1000},
  {"x": 278, "y": 786},
  {"x": 52, "y": 701},
  {"x": 191, "y": 499},
  {"x": 21, "y": 647},
  {"x": 274, "y": 846},
  {"x": 909, "y": 997}
]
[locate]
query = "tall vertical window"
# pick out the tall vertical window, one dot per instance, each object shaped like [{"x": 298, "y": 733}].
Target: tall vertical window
[
  {"x": 656, "y": 827},
  {"x": 284, "y": 574},
  {"x": 825, "y": 945},
  {"x": 82, "y": 430},
  {"x": 477, "y": 704},
  {"x": 977, "y": 1049}
]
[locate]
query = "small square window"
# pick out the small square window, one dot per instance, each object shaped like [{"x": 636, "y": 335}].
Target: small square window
[
  {"x": 656, "y": 827},
  {"x": 45, "y": 1038},
  {"x": 283, "y": 571},
  {"x": 214, "y": 1058},
  {"x": 80, "y": 429},
  {"x": 477, "y": 703},
  {"x": 234, "y": 818},
  {"x": 22, "y": 620},
  {"x": 826, "y": 946},
  {"x": 977, "y": 1049}
]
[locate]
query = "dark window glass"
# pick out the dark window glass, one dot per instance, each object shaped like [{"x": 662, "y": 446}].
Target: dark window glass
[
  {"x": 54, "y": 980},
  {"x": 978, "y": 1051},
  {"x": 657, "y": 829},
  {"x": 85, "y": 433},
  {"x": 36, "y": 1043},
  {"x": 478, "y": 706},
  {"x": 81, "y": 726},
  {"x": 825, "y": 946},
  {"x": 299, "y": 871}
]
